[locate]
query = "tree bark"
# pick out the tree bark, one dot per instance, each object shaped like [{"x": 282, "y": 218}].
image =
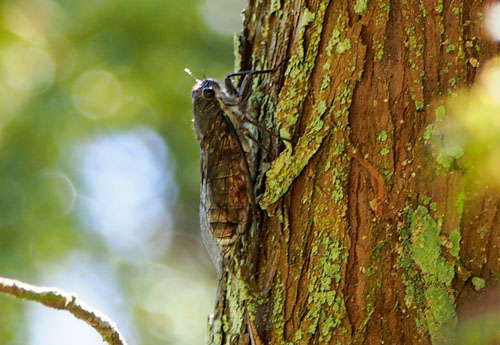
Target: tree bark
[{"x": 367, "y": 234}]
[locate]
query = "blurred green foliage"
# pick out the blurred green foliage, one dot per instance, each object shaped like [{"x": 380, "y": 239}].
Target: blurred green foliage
[
  {"x": 467, "y": 127},
  {"x": 70, "y": 70}
]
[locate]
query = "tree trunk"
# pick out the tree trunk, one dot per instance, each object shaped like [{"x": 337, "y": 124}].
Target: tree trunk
[{"x": 367, "y": 235}]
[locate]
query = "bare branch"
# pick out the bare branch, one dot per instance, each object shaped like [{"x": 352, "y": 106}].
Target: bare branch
[{"x": 59, "y": 299}]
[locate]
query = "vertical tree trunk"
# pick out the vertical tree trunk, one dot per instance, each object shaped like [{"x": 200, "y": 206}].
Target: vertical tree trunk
[{"x": 367, "y": 235}]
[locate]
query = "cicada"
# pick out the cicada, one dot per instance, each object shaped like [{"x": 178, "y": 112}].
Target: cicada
[{"x": 227, "y": 199}]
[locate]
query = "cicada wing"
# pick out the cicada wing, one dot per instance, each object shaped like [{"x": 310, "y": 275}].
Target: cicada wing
[
  {"x": 210, "y": 243},
  {"x": 226, "y": 191}
]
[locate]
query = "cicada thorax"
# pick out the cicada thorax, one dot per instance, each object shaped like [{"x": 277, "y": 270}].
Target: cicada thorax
[{"x": 226, "y": 183}]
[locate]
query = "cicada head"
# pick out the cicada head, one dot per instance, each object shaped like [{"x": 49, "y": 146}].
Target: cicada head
[{"x": 206, "y": 106}]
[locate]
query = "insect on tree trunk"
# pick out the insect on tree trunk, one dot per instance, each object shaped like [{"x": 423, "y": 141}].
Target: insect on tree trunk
[{"x": 365, "y": 235}]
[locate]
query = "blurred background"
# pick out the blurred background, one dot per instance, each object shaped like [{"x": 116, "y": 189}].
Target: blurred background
[{"x": 99, "y": 170}]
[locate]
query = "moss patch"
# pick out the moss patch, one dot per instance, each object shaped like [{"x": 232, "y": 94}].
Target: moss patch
[
  {"x": 440, "y": 112},
  {"x": 478, "y": 283},
  {"x": 360, "y": 6},
  {"x": 322, "y": 293},
  {"x": 455, "y": 238},
  {"x": 437, "y": 274}
]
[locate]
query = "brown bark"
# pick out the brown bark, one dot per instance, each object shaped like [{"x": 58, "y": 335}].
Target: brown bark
[{"x": 367, "y": 236}]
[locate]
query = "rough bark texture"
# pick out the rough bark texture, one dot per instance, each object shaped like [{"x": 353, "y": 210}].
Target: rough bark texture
[{"x": 368, "y": 236}]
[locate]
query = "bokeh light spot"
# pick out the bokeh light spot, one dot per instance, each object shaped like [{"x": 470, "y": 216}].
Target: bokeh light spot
[
  {"x": 128, "y": 188},
  {"x": 490, "y": 83},
  {"x": 17, "y": 22},
  {"x": 12, "y": 201},
  {"x": 97, "y": 94},
  {"x": 10, "y": 100},
  {"x": 492, "y": 21},
  {"x": 175, "y": 304},
  {"x": 28, "y": 68},
  {"x": 60, "y": 185}
]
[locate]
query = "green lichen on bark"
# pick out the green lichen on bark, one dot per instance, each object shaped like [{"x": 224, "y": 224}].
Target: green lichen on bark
[
  {"x": 441, "y": 317},
  {"x": 237, "y": 51},
  {"x": 415, "y": 44},
  {"x": 236, "y": 295},
  {"x": 431, "y": 289},
  {"x": 448, "y": 154},
  {"x": 478, "y": 283},
  {"x": 289, "y": 106},
  {"x": 275, "y": 6},
  {"x": 240, "y": 303},
  {"x": 426, "y": 247},
  {"x": 215, "y": 332},
  {"x": 360, "y": 6},
  {"x": 382, "y": 136},
  {"x": 430, "y": 132},
  {"x": 278, "y": 312},
  {"x": 326, "y": 317},
  {"x": 325, "y": 276},
  {"x": 455, "y": 238},
  {"x": 339, "y": 179},
  {"x": 343, "y": 46},
  {"x": 290, "y": 163},
  {"x": 440, "y": 112}
]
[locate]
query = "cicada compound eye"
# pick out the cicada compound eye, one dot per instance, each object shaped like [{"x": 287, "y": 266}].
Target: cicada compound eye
[{"x": 208, "y": 92}]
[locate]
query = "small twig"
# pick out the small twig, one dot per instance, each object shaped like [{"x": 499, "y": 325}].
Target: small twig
[{"x": 59, "y": 299}]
